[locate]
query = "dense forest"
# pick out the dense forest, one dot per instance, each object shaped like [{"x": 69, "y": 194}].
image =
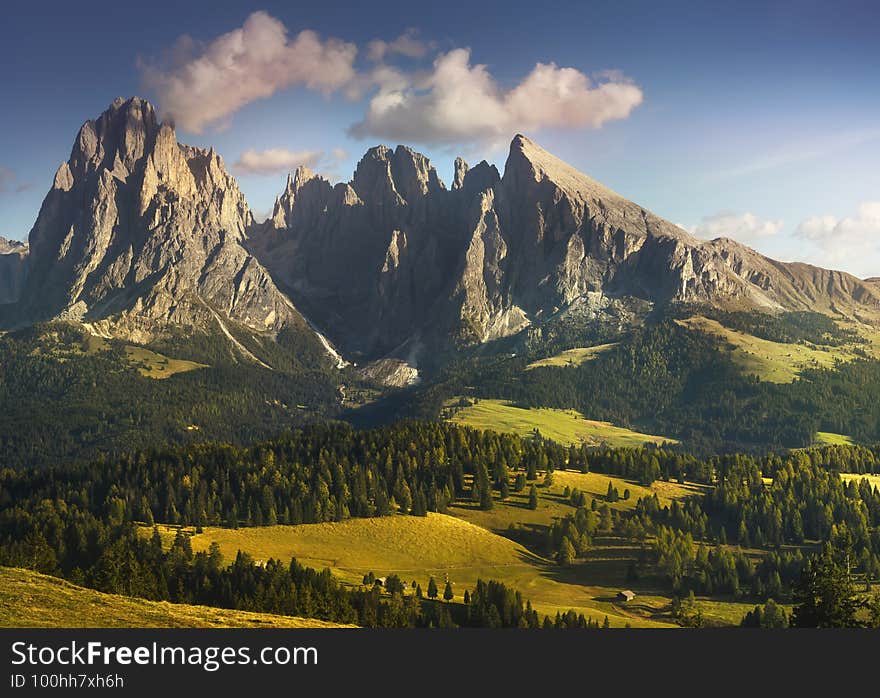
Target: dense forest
[
  {"x": 60, "y": 401},
  {"x": 77, "y": 521}
]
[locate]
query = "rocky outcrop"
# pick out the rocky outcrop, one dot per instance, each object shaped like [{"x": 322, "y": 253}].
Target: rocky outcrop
[
  {"x": 140, "y": 233},
  {"x": 364, "y": 259},
  {"x": 13, "y": 267}
]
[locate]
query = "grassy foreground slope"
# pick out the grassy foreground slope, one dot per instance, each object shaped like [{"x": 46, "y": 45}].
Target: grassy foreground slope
[
  {"x": 563, "y": 426},
  {"x": 32, "y": 600}
]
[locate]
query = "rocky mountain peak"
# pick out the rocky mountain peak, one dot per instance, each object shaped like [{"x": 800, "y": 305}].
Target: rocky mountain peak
[
  {"x": 140, "y": 233},
  {"x": 395, "y": 177},
  {"x": 116, "y": 140},
  {"x": 305, "y": 194},
  {"x": 461, "y": 169}
]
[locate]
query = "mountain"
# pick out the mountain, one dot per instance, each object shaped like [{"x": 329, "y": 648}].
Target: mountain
[
  {"x": 393, "y": 262},
  {"x": 140, "y": 235},
  {"x": 13, "y": 265}
]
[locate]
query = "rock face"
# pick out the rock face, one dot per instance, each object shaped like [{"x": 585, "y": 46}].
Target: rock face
[
  {"x": 364, "y": 259},
  {"x": 393, "y": 261},
  {"x": 140, "y": 233},
  {"x": 13, "y": 267}
]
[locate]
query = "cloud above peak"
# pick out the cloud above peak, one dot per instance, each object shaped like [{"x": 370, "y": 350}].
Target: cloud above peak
[
  {"x": 201, "y": 85},
  {"x": 743, "y": 227},
  {"x": 459, "y": 103},
  {"x": 275, "y": 160},
  {"x": 447, "y": 101}
]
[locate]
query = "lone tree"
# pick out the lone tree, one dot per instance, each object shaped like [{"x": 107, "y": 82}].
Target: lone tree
[
  {"x": 533, "y": 497},
  {"x": 447, "y": 592},
  {"x": 825, "y": 596},
  {"x": 432, "y": 588}
]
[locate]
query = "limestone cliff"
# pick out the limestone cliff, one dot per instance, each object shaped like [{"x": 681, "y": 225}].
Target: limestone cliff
[{"x": 140, "y": 233}]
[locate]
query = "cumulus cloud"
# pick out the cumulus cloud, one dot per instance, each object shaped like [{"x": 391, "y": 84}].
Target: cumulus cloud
[
  {"x": 852, "y": 242},
  {"x": 203, "y": 84},
  {"x": 744, "y": 227},
  {"x": 457, "y": 102},
  {"x": 275, "y": 160},
  {"x": 407, "y": 44},
  {"x": 447, "y": 102}
]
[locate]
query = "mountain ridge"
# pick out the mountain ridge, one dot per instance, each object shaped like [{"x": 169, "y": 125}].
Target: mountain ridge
[{"x": 141, "y": 234}]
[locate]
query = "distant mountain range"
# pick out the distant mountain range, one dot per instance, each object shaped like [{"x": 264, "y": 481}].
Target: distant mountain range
[{"x": 141, "y": 235}]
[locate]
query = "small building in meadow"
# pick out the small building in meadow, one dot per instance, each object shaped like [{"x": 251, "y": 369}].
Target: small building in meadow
[{"x": 626, "y": 595}]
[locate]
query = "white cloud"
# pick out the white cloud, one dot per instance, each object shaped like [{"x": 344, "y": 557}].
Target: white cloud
[
  {"x": 457, "y": 103},
  {"x": 407, "y": 44},
  {"x": 743, "y": 227},
  {"x": 449, "y": 102},
  {"x": 852, "y": 242},
  {"x": 274, "y": 160},
  {"x": 205, "y": 84}
]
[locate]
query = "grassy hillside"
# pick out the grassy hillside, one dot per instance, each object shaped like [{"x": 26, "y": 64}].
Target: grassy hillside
[
  {"x": 440, "y": 546},
  {"x": 32, "y": 600},
  {"x": 775, "y": 362},
  {"x": 564, "y": 426},
  {"x": 572, "y": 357},
  {"x": 827, "y": 438},
  {"x": 149, "y": 364},
  {"x": 873, "y": 479}
]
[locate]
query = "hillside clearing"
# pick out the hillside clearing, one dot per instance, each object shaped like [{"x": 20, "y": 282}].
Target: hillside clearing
[
  {"x": 774, "y": 362},
  {"x": 572, "y": 357},
  {"x": 563, "y": 426},
  {"x": 873, "y": 479},
  {"x": 828, "y": 438},
  {"x": 149, "y": 364}
]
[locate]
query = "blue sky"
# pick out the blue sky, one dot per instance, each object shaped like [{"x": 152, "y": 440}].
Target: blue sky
[{"x": 760, "y": 121}]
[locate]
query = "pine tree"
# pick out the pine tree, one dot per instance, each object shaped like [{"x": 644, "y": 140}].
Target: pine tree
[
  {"x": 566, "y": 553},
  {"x": 825, "y": 596},
  {"x": 447, "y": 592},
  {"x": 533, "y": 498},
  {"x": 432, "y": 589}
]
